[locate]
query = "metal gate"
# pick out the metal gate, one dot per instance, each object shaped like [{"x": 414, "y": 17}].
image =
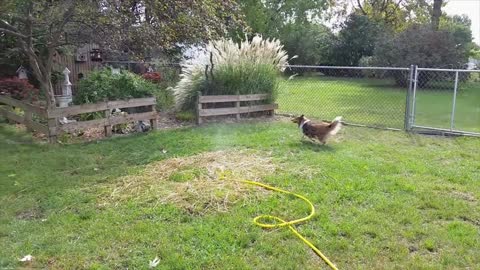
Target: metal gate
[{"x": 445, "y": 101}]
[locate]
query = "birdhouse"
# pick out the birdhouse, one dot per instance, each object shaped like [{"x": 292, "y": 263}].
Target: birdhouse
[
  {"x": 96, "y": 55},
  {"x": 81, "y": 57},
  {"x": 22, "y": 73}
]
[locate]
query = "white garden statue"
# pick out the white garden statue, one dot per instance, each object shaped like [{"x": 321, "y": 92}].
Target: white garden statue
[
  {"x": 67, "y": 85},
  {"x": 66, "y": 97}
]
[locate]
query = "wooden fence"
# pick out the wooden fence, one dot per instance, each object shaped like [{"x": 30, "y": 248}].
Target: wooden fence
[
  {"x": 27, "y": 118},
  {"x": 236, "y": 110},
  {"x": 47, "y": 121}
]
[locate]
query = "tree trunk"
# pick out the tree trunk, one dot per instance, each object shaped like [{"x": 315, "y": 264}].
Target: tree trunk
[
  {"x": 436, "y": 14},
  {"x": 43, "y": 74},
  {"x": 47, "y": 87}
]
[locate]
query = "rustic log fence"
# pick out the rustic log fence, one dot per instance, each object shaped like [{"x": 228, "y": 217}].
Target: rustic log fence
[
  {"x": 50, "y": 125},
  {"x": 236, "y": 110}
]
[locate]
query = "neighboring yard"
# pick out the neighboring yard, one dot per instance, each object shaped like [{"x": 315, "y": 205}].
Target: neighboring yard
[
  {"x": 378, "y": 102},
  {"x": 385, "y": 200}
]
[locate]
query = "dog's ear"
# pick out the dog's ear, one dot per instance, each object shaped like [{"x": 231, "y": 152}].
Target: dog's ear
[{"x": 301, "y": 116}]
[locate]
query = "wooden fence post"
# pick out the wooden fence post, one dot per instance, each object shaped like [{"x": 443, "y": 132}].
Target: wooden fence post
[
  {"x": 199, "y": 108},
  {"x": 52, "y": 128},
  {"x": 28, "y": 120},
  {"x": 237, "y": 105},
  {"x": 153, "y": 121},
  {"x": 108, "y": 127}
]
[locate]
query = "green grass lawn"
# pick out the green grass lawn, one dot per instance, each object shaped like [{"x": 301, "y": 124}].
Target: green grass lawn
[
  {"x": 378, "y": 102},
  {"x": 384, "y": 199}
]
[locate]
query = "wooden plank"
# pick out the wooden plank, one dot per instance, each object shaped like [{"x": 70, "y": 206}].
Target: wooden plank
[
  {"x": 101, "y": 106},
  {"x": 115, "y": 120},
  {"x": 77, "y": 109},
  {"x": 97, "y": 123},
  {"x": 137, "y": 102},
  {"x": 232, "y": 98},
  {"x": 12, "y": 116},
  {"x": 23, "y": 105},
  {"x": 258, "y": 108},
  {"x": 245, "y": 109},
  {"x": 218, "y": 111},
  {"x": 19, "y": 119}
]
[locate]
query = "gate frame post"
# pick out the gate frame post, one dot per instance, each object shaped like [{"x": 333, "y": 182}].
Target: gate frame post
[
  {"x": 408, "y": 122},
  {"x": 454, "y": 102}
]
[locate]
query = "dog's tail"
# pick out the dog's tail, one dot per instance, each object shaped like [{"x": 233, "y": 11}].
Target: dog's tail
[{"x": 336, "y": 125}]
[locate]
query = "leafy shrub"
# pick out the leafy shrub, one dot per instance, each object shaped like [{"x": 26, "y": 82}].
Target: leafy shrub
[
  {"x": 248, "y": 68},
  {"x": 103, "y": 85},
  {"x": 18, "y": 89}
]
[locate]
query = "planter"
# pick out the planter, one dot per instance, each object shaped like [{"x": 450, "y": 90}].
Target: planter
[{"x": 63, "y": 101}]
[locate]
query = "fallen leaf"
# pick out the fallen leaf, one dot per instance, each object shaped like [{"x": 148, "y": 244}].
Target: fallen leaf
[
  {"x": 154, "y": 263},
  {"x": 26, "y": 258}
]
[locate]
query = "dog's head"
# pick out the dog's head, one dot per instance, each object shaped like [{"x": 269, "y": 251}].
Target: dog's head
[{"x": 299, "y": 120}]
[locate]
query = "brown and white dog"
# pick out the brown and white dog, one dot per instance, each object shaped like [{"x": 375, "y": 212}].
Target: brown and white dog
[{"x": 319, "y": 130}]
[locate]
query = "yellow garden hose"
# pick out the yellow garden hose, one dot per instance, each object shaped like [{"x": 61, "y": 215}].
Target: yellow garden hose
[{"x": 289, "y": 224}]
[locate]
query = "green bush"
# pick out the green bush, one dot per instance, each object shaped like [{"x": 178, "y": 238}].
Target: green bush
[{"x": 103, "y": 85}]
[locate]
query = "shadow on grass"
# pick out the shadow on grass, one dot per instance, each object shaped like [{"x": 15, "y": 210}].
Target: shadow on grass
[{"x": 315, "y": 146}]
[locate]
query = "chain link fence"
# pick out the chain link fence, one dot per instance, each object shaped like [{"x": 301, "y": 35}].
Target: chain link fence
[
  {"x": 367, "y": 96},
  {"x": 382, "y": 97},
  {"x": 416, "y": 99},
  {"x": 446, "y": 100}
]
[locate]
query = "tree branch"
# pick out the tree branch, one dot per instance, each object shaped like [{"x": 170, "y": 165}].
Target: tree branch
[
  {"x": 361, "y": 8},
  {"x": 19, "y": 35},
  {"x": 8, "y": 28},
  {"x": 385, "y": 4}
]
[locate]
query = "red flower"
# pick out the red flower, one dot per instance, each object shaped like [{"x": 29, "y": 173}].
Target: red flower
[{"x": 152, "y": 76}]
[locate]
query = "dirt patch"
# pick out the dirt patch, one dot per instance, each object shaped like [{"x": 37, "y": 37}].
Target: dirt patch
[
  {"x": 208, "y": 182},
  {"x": 464, "y": 196},
  {"x": 30, "y": 214}
]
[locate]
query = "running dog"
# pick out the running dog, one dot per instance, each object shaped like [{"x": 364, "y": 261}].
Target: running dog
[{"x": 318, "y": 130}]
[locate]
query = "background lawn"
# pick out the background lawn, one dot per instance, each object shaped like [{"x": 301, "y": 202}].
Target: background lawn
[
  {"x": 384, "y": 199},
  {"x": 378, "y": 102}
]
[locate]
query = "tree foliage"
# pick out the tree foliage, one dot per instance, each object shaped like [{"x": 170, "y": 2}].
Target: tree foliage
[
  {"x": 356, "y": 39},
  {"x": 313, "y": 44},
  {"x": 422, "y": 46},
  {"x": 396, "y": 15},
  {"x": 269, "y": 17},
  {"x": 44, "y": 27}
]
